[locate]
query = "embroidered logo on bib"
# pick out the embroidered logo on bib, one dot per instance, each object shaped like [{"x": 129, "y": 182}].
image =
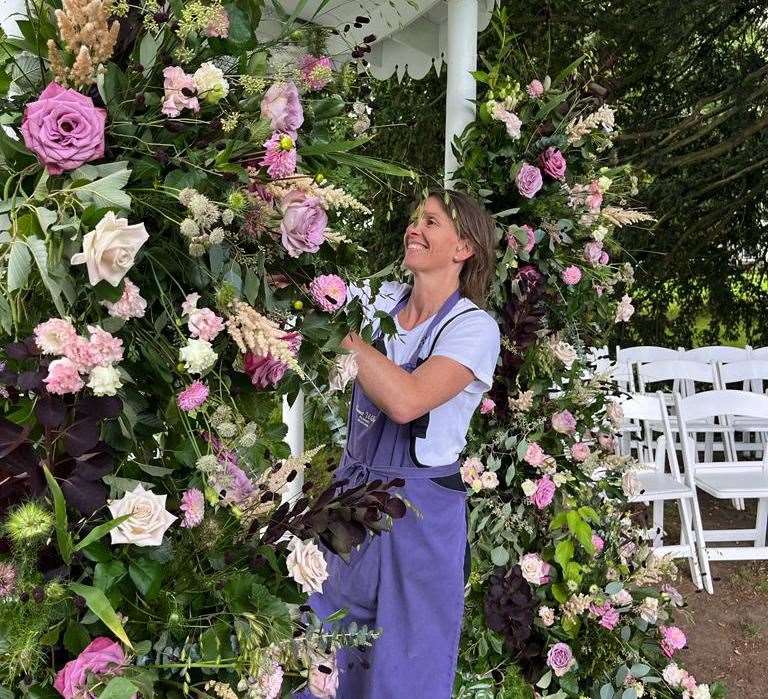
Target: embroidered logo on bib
[{"x": 365, "y": 418}]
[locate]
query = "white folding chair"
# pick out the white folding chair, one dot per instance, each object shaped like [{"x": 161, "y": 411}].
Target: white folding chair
[
  {"x": 759, "y": 353},
  {"x": 631, "y": 356},
  {"x": 659, "y": 486},
  {"x": 717, "y": 353},
  {"x": 730, "y": 479},
  {"x": 752, "y": 375}
]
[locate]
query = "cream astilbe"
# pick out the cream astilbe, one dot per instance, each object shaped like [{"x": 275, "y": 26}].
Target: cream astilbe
[
  {"x": 624, "y": 217},
  {"x": 256, "y": 333},
  {"x": 85, "y": 29},
  {"x": 331, "y": 196},
  {"x": 583, "y": 126}
]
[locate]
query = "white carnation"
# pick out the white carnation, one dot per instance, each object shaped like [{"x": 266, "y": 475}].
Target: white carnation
[
  {"x": 104, "y": 380},
  {"x": 210, "y": 82},
  {"x": 198, "y": 356}
]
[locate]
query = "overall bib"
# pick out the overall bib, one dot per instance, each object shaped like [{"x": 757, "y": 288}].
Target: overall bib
[{"x": 408, "y": 582}]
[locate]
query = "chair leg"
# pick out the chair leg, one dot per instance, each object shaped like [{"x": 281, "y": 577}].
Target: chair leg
[
  {"x": 658, "y": 523},
  {"x": 761, "y": 523},
  {"x": 688, "y": 538},
  {"x": 701, "y": 545}
]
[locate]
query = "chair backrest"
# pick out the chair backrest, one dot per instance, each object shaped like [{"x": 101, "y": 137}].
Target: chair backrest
[
  {"x": 717, "y": 354},
  {"x": 675, "y": 370},
  {"x": 623, "y": 375},
  {"x": 760, "y": 353},
  {"x": 749, "y": 370},
  {"x": 644, "y": 353},
  {"x": 721, "y": 402}
]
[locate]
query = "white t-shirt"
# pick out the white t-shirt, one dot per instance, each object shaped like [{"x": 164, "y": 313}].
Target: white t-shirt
[{"x": 472, "y": 340}]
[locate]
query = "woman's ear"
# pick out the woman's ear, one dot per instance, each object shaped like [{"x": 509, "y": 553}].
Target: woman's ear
[{"x": 464, "y": 250}]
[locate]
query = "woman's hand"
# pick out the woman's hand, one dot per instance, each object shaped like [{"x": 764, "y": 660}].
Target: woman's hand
[{"x": 350, "y": 341}]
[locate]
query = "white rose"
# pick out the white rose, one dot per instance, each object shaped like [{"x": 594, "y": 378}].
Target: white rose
[
  {"x": 109, "y": 250},
  {"x": 198, "y": 356},
  {"x": 622, "y": 598},
  {"x": 529, "y": 487},
  {"x": 343, "y": 371},
  {"x": 624, "y": 310},
  {"x": 148, "y": 518},
  {"x": 701, "y": 692},
  {"x": 533, "y": 569},
  {"x": 564, "y": 352},
  {"x": 306, "y": 565},
  {"x": 630, "y": 483},
  {"x": 649, "y": 610},
  {"x": 210, "y": 82},
  {"x": 104, "y": 380},
  {"x": 489, "y": 480},
  {"x": 674, "y": 675}
]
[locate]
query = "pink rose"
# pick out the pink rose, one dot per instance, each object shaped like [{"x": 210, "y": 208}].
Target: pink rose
[
  {"x": 544, "y": 493},
  {"x": 528, "y": 181},
  {"x": 180, "y": 92},
  {"x": 534, "y": 89},
  {"x": 672, "y": 640},
  {"x": 560, "y": 658},
  {"x": 604, "y": 258},
  {"x": 571, "y": 275},
  {"x": 580, "y": 451},
  {"x": 281, "y": 106},
  {"x": 63, "y": 377},
  {"x": 64, "y": 129},
  {"x": 530, "y": 275},
  {"x": 487, "y": 406},
  {"x": 303, "y": 225},
  {"x": 266, "y": 371},
  {"x": 530, "y": 235},
  {"x": 100, "y": 656},
  {"x": 534, "y": 569},
  {"x": 598, "y": 543},
  {"x": 553, "y": 163},
  {"x": 564, "y": 422},
  {"x": 534, "y": 454}
]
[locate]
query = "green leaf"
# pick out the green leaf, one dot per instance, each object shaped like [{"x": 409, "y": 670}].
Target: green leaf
[
  {"x": 63, "y": 537},
  {"x": 147, "y": 575},
  {"x": 545, "y": 680},
  {"x": 76, "y": 638},
  {"x": 639, "y": 670},
  {"x": 572, "y": 571},
  {"x": 557, "y": 521},
  {"x": 148, "y": 50},
  {"x": 107, "y": 191},
  {"x": 629, "y": 693},
  {"x": 564, "y": 552},
  {"x": 99, "y": 604},
  {"x": 500, "y": 556},
  {"x": 560, "y": 592},
  {"x": 40, "y": 255},
  {"x": 366, "y": 163},
  {"x": 606, "y": 691},
  {"x": 97, "y": 532},
  {"x": 45, "y": 217},
  {"x": 215, "y": 644},
  {"x": 107, "y": 574},
  {"x": 119, "y": 688},
  {"x": 19, "y": 264},
  {"x": 332, "y": 147},
  {"x": 584, "y": 537}
]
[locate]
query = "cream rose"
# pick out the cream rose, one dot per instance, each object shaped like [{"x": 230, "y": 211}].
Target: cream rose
[
  {"x": 109, "y": 250},
  {"x": 148, "y": 519},
  {"x": 630, "y": 483},
  {"x": 306, "y": 565},
  {"x": 565, "y": 353},
  {"x": 343, "y": 371}
]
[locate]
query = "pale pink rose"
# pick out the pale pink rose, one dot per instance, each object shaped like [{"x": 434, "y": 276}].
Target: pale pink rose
[
  {"x": 471, "y": 470},
  {"x": 323, "y": 681},
  {"x": 106, "y": 349},
  {"x": 624, "y": 309},
  {"x": 598, "y": 543},
  {"x": 63, "y": 129},
  {"x": 100, "y": 656},
  {"x": 534, "y": 89},
  {"x": 280, "y": 157},
  {"x": 63, "y": 377},
  {"x": 180, "y": 92},
  {"x": 489, "y": 480},
  {"x": 672, "y": 640},
  {"x": 593, "y": 252},
  {"x": 571, "y": 275},
  {"x": 218, "y": 27},
  {"x": 534, "y": 455},
  {"x": 564, "y": 422},
  {"x": 534, "y": 569},
  {"x": 544, "y": 494},
  {"x": 329, "y": 292},
  {"x": 304, "y": 222},
  {"x": 203, "y": 323},
  {"x": 54, "y": 336},
  {"x": 560, "y": 658},
  {"x": 109, "y": 250},
  {"x": 513, "y": 242},
  {"x": 528, "y": 181},
  {"x": 316, "y": 71},
  {"x": 281, "y": 106},
  {"x": 580, "y": 451},
  {"x": 487, "y": 406},
  {"x": 553, "y": 163},
  {"x": 130, "y": 305}
]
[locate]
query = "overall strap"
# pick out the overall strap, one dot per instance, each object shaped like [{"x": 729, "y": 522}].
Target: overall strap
[
  {"x": 445, "y": 309},
  {"x": 444, "y": 326}
]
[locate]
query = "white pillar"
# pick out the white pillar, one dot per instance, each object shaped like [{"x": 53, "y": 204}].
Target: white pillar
[
  {"x": 293, "y": 417},
  {"x": 461, "y": 56}
]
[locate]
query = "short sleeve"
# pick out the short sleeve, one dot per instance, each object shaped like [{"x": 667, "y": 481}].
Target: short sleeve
[{"x": 472, "y": 339}]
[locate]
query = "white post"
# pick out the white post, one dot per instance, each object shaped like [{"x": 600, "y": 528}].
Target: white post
[
  {"x": 293, "y": 417},
  {"x": 461, "y": 56}
]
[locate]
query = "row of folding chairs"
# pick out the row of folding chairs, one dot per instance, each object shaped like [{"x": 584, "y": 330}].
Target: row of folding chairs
[{"x": 662, "y": 479}]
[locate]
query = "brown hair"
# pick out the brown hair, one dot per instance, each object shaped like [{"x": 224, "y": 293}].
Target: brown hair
[{"x": 475, "y": 224}]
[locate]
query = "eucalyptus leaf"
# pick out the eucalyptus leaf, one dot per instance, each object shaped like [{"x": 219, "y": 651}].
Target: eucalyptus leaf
[
  {"x": 40, "y": 255},
  {"x": 19, "y": 265}
]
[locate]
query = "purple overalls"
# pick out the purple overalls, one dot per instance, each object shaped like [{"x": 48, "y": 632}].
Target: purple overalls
[{"x": 408, "y": 582}]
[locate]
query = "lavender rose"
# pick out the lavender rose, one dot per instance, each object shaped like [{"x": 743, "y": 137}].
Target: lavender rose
[
  {"x": 553, "y": 163},
  {"x": 303, "y": 225},
  {"x": 564, "y": 422},
  {"x": 560, "y": 658},
  {"x": 64, "y": 129},
  {"x": 528, "y": 181},
  {"x": 281, "y": 106}
]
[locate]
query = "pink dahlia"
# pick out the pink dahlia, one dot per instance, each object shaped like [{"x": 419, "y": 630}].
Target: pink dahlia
[
  {"x": 63, "y": 377},
  {"x": 193, "y": 507},
  {"x": 316, "y": 71},
  {"x": 193, "y": 396},
  {"x": 280, "y": 158},
  {"x": 329, "y": 292}
]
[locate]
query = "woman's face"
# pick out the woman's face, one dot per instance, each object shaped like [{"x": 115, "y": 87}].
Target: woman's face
[{"x": 432, "y": 241}]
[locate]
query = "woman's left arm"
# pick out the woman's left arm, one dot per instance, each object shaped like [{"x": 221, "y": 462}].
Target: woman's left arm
[{"x": 401, "y": 395}]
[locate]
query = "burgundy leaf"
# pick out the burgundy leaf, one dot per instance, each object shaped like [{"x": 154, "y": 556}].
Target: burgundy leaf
[
  {"x": 94, "y": 467},
  {"x": 17, "y": 350},
  {"x": 31, "y": 380},
  {"x": 99, "y": 407},
  {"x": 82, "y": 436},
  {"x": 85, "y": 496},
  {"x": 395, "y": 508},
  {"x": 51, "y": 411}
]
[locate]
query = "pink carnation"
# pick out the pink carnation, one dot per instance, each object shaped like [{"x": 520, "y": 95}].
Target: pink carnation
[
  {"x": 280, "y": 158},
  {"x": 82, "y": 353},
  {"x": 595, "y": 197},
  {"x": 204, "y": 324},
  {"x": 107, "y": 349},
  {"x": 672, "y": 640},
  {"x": 180, "y": 92},
  {"x": 534, "y": 454},
  {"x": 580, "y": 451},
  {"x": 530, "y": 242},
  {"x": 544, "y": 493},
  {"x": 552, "y": 162},
  {"x": 534, "y": 89},
  {"x": 528, "y": 180},
  {"x": 193, "y": 507},
  {"x": 608, "y": 616},
  {"x": 218, "y": 27},
  {"x": 598, "y": 543},
  {"x": 54, "y": 335},
  {"x": 193, "y": 396},
  {"x": 129, "y": 305},
  {"x": 316, "y": 71},
  {"x": 487, "y": 406},
  {"x": 571, "y": 275},
  {"x": 63, "y": 377},
  {"x": 329, "y": 292},
  {"x": 101, "y": 656},
  {"x": 564, "y": 422}
]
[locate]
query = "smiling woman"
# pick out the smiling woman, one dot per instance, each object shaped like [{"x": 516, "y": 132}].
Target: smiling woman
[{"x": 412, "y": 402}]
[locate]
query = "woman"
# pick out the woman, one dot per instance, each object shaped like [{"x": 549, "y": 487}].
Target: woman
[{"x": 411, "y": 406}]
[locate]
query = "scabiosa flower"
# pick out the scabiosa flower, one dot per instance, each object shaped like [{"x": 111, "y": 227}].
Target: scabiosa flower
[
  {"x": 535, "y": 89},
  {"x": 316, "y": 71},
  {"x": 63, "y": 377},
  {"x": 329, "y": 292},
  {"x": 7, "y": 579},
  {"x": 571, "y": 275},
  {"x": 192, "y": 397},
  {"x": 193, "y": 507},
  {"x": 28, "y": 523},
  {"x": 280, "y": 158}
]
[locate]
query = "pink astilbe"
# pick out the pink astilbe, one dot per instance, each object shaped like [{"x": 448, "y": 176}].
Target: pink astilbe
[
  {"x": 7, "y": 579},
  {"x": 329, "y": 292},
  {"x": 193, "y": 507},
  {"x": 193, "y": 396},
  {"x": 280, "y": 158}
]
